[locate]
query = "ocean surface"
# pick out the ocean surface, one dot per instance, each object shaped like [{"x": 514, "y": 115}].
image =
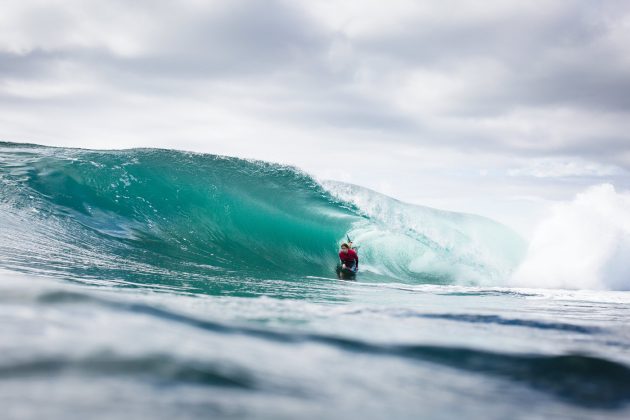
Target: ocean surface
[{"x": 162, "y": 284}]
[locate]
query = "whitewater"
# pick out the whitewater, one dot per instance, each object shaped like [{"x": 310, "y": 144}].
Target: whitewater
[{"x": 151, "y": 283}]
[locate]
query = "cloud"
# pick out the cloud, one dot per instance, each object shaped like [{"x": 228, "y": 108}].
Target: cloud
[{"x": 557, "y": 168}]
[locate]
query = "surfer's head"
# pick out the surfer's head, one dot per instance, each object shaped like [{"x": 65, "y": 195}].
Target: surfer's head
[{"x": 345, "y": 247}]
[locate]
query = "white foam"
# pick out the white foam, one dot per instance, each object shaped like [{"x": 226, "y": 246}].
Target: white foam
[{"x": 584, "y": 244}]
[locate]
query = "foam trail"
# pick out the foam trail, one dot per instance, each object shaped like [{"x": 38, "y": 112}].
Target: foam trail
[{"x": 584, "y": 244}]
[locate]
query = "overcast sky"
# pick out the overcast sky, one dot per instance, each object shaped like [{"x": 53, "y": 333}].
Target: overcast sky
[{"x": 494, "y": 107}]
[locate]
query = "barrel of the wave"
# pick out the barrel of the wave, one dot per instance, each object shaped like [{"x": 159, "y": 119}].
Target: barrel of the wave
[{"x": 348, "y": 265}]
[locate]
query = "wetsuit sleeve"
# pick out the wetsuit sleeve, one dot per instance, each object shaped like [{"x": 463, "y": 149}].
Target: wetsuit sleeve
[{"x": 356, "y": 258}]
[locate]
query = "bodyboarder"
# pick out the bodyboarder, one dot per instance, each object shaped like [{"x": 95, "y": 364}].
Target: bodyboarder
[{"x": 348, "y": 262}]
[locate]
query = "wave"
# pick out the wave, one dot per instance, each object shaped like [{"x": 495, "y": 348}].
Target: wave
[
  {"x": 159, "y": 366},
  {"x": 527, "y": 323},
  {"x": 579, "y": 379},
  {"x": 487, "y": 319},
  {"x": 147, "y": 214}
]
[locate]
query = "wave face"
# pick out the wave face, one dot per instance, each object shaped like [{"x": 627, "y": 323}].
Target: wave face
[{"x": 150, "y": 212}]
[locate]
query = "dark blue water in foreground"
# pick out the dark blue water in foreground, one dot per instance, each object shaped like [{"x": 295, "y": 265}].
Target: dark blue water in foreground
[{"x": 162, "y": 284}]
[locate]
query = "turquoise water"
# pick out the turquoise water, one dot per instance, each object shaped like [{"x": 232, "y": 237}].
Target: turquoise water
[{"x": 158, "y": 284}]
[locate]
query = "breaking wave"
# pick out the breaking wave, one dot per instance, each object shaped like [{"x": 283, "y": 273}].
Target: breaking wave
[{"x": 143, "y": 214}]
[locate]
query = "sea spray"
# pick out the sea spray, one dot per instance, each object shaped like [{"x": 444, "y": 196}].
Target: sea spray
[{"x": 584, "y": 244}]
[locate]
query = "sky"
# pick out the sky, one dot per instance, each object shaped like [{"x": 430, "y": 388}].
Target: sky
[{"x": 496, "y": 108}]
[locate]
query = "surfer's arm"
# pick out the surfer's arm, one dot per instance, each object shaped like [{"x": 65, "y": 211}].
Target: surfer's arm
[{"x": 356, "y": 258}]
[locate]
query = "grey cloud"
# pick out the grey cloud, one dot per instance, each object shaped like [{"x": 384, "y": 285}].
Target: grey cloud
[
  {"x": 33, "y": 64},
  {"x": 514, "y": 39},
  {"x": 544, "y": 60},
  {"x": 235, "y": 38},
  {"x": 243, "y": 38},
  {"x": 560, "y": 59}
]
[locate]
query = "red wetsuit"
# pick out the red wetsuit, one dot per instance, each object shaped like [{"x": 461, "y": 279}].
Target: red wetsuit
[{"x": 350, "y": 258}]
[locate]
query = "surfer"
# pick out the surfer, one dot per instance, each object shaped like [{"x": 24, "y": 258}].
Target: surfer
[{"x": 349, "y": 262}]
